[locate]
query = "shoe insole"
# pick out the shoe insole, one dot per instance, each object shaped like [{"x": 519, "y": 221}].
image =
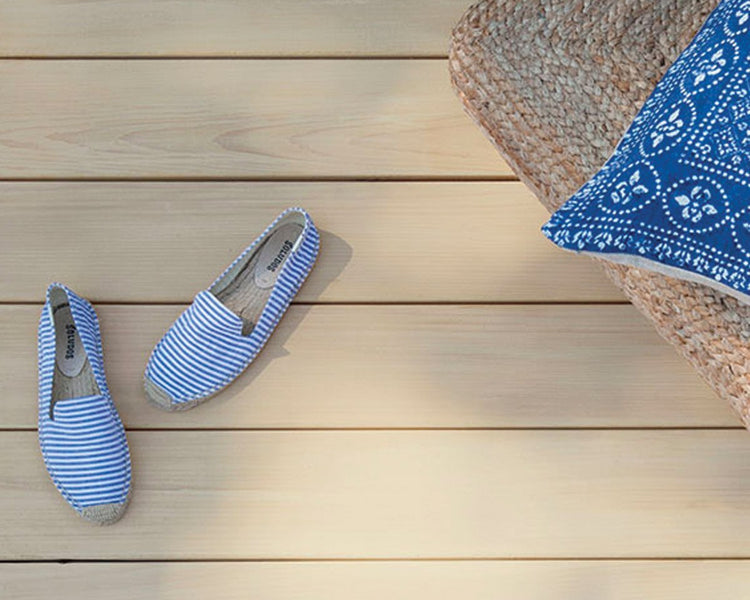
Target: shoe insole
[
  {"x": 248, "y": 293},
  {"x": 73, "y": 377}
]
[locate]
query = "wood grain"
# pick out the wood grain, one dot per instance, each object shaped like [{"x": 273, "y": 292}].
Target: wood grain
[
  {"x": 236, "y": 119},
  {"x": 227, "y": 28},
  {"x": 369, "y": 428},
  {"x": 381, "y": 242},
  {"x": 475, "y": 580},
  {"x": 415, "y": 494},
  {"x": 405, "y": 366}
]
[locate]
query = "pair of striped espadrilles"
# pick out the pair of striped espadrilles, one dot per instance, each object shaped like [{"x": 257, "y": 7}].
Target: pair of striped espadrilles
[{"x": 81, "y": 436}]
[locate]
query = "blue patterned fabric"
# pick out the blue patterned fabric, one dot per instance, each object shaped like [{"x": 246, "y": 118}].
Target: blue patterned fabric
[
  {"x": 82, "y": 439},
  {"x": 204, "y": 350},
  {"x": 675, "y": 195}
]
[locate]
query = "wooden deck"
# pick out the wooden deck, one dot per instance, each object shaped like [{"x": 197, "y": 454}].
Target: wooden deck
[{"x": 452, "y": 409}]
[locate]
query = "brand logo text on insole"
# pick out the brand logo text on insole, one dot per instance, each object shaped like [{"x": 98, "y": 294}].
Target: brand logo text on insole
[
  {"x": 280, "y": 256},
  {"x": 70, "y": 343}
]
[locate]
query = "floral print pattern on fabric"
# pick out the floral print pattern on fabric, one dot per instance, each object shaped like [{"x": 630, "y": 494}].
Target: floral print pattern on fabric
[{"x": 676, "y": 191}]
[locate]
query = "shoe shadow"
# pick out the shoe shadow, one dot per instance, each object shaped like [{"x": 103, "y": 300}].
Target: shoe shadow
[{"x": 335, "y": 255}]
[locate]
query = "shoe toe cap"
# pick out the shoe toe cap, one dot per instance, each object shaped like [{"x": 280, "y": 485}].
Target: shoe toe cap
[
  {"x": 158, "y": 396},
  {"x": 104, "y": 514}
]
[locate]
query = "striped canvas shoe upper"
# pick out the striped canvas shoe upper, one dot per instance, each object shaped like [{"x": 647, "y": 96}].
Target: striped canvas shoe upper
[
  {"x": 205, "y": 348},
  {"x": 81, "y": 437}
]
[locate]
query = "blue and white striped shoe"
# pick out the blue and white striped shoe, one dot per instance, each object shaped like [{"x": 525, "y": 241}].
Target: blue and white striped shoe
[
  {"x": 227, "y": 325},
  {"x": 80, "y": 433}
]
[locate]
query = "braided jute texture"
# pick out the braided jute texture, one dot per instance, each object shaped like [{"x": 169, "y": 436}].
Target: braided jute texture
[{"x": 555, "y": 84}]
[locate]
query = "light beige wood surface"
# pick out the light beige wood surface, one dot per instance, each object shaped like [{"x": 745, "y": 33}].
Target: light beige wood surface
[
  {"x": 403, "y": 580},
  {"x": 446, "y": 397},
  {"x": 385, "y": 494},
  {"x": 236, "y": 118},
  {"x": 405, "y": 366},
  {"x": 227, "y": 28},
  {"x": 394, "y": 242}
]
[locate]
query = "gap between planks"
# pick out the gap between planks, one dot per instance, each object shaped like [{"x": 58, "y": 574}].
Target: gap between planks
[
  {"x": 256, "y": 57},
  {"x": 416, "y": 560},
  {"x": 405, "y": 429},
  {"x": 272, "y": 179}
]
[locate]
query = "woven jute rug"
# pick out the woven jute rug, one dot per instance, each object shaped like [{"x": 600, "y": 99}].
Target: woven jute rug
[{"x": 554, "y": 84}]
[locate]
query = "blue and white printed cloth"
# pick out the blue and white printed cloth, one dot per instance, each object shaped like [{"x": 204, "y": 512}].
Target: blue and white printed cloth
[
  {"x": 675, "y": 195},
  {"x": 204, "y": 350},
  {"x": 82, "y": 439}
]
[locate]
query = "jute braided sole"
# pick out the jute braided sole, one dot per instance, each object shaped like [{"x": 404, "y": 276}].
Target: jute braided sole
[{"x": 554, "y": 84}]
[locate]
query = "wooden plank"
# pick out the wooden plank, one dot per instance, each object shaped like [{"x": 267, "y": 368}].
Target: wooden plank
[
  {"x": 236, "y": 119},
  {"x": 415, "y": 494},
  {"x": 228, "y": 28},
  {"x": 405, "y": 366},
  {"x": 469, "y": 580},
  {"x": 394, "y": 242}
]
